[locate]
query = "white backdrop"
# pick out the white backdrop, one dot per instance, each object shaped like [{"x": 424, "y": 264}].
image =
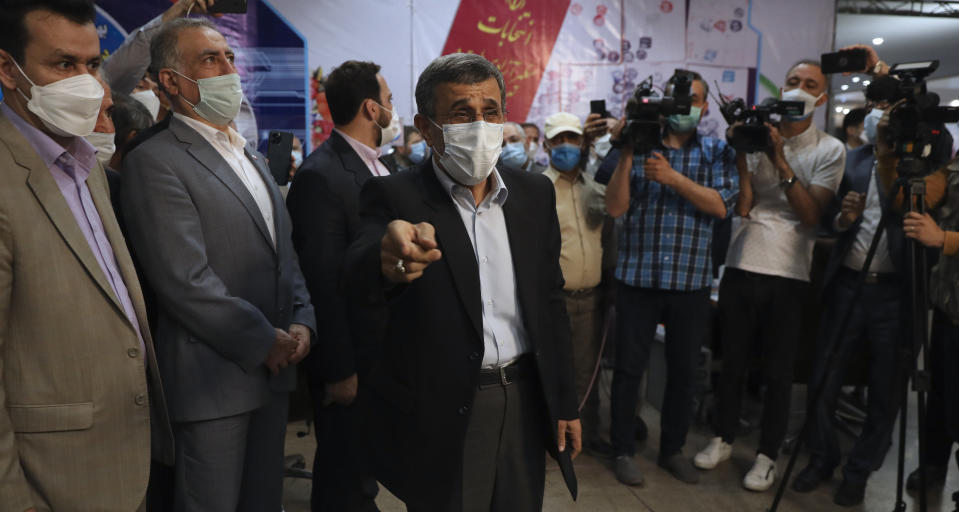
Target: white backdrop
[{"x": 722, "y": 39}]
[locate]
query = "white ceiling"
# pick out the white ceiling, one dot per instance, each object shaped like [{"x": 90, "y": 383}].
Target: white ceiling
[{"x": 905, "y": 39}]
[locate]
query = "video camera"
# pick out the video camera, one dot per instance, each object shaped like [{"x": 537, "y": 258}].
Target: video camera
[
  {"x": 644, "y": 111},
  {"x": 916, "y": 123},
  {"x": 752, "y": 135}
]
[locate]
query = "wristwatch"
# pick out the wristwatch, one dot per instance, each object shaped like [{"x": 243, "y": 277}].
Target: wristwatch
[{"x": 785, "y": 184}]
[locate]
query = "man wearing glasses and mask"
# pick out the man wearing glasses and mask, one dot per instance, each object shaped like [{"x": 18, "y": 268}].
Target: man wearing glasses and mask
[{"x": 475, "y": 381}]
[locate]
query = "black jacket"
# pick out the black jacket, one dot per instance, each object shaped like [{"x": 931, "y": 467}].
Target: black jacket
[
  {"x": 422, "y": 387},
  {"x": 323, "y": 204}
]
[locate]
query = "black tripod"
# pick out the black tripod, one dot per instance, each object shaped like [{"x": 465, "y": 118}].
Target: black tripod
[{"x": 914, "y": 188}]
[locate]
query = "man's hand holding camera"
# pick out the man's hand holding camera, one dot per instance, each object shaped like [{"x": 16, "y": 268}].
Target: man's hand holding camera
[
  {"x": 922, "y": 228},
  {"x": 852, "y": 207},
  {"x": 656, "y": 168}
]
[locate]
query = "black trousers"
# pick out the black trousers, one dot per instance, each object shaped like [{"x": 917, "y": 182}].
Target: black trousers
[
  {"x": 341, "y": 476},
  {"x": 688, "y": 320},
  {"x": 938, "y": 440},
  {"x": 769, "y": 307},
  {"x": 504, "y": 455}
]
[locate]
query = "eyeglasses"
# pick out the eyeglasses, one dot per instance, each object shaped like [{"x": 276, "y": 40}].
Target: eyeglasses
[{"x": 491, "y": 115}]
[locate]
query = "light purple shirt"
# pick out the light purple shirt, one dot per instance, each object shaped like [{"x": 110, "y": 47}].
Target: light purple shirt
[
  {"x": 370, "y": 156},
  {"x": 70, "y": 168}
]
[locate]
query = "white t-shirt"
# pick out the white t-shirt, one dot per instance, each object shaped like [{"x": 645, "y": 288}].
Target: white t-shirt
[{"x": 773, "y": 241}]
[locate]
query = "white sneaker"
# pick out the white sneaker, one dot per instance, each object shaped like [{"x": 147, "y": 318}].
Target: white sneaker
[
  {"x": 762, "y": 476},
  {"x": 714, "y": 453}
]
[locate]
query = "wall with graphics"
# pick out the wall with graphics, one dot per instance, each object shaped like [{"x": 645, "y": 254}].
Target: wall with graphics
[{"x": 555, "y": 54}]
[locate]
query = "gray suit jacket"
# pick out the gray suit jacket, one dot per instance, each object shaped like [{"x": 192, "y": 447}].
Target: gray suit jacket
[{"x": 221, "y": 286}]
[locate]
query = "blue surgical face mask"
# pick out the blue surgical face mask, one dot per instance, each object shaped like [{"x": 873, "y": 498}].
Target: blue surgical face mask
[
  {"x": 514, "y": 155},
  {"x": 565, "y": 157},
  {"x": 685, "y": 123},
  {"x": 418, "y": 152},
  {"x": 871, "y": 123}
]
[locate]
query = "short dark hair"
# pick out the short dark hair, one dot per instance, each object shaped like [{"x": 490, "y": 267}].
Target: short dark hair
[
  {"x": 13, "y": 31},
  {"x": 129, "y": 115},
  {"x": 694, "y": 76},
  {"x": 348, "y": 86},
  {"x": 164, "y": 52},
  {"x": 533, "y": 126},
  {"x": 457, "y": 68},
  {"x": 855, "y": 117},
  {"x": 805, "y": 62}
]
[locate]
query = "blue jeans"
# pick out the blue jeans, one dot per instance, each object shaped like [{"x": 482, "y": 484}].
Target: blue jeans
[
  {"x": 688, "y": 321},
  {"x": 873, "y": 327}
]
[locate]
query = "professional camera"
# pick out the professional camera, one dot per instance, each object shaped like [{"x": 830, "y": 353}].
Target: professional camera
[
  {"x": 916, "y": 123},
  {"x": 752, "y": 135},
  {"x": 644, "y": 111}
]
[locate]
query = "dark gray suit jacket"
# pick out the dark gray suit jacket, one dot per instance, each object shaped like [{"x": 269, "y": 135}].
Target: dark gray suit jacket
[{"x": 221, "y": 286}]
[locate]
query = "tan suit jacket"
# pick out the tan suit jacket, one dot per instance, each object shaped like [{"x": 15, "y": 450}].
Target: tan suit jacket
[{"x": 76, "y": 390}]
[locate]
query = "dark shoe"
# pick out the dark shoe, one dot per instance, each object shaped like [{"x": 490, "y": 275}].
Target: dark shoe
[
  {"x": 681, "y": 468},
  {"x": 627, "y": 471},
  {"x": 850, "y": 493},
  {"x": 810, "y": 477},
  {"x": 935, "y": 477},
  {"x": 600, "y": 449},
  {"x": 642, "y": 431}
]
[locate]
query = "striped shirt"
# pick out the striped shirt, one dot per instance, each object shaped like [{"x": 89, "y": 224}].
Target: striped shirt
[{"x": 665, "y": 242}]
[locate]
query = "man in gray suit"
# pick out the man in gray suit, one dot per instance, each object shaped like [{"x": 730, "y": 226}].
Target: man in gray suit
[{"x": 208, "y": 225}]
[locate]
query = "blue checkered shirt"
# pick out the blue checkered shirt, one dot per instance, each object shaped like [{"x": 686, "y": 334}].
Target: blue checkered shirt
[{"x": 665, "y": 243}]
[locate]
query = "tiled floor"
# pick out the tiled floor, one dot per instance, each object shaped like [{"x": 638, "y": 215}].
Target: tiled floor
[{"x": 718, "y": 490}]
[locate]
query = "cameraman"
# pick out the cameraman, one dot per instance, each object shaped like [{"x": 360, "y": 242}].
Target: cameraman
[
  {"x": 670, "y": 198},
  {"x": 784, "y": 192},
  {"x": 942, "y": 195}
]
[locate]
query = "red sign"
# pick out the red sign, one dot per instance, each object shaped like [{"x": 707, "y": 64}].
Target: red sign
[{"x": 515, "y": 35}]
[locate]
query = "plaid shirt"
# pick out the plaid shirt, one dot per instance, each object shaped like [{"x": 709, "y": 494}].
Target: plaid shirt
[{"x": 665, "y": 242}]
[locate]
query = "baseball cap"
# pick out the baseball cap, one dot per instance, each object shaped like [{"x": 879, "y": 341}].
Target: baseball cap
[{"x": 562, "y": 122}]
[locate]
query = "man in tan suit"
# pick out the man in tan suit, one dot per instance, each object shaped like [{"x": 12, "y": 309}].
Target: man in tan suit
[{"x": 77, "y": 368}]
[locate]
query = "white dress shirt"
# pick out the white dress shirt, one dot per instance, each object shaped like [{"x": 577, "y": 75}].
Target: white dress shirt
[
  {"x": 504, "y": 336},
  {"x": 230, "y": 146}
]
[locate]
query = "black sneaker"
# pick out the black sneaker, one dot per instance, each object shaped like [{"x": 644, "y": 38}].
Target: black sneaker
[
  {"x": 850, "y": 493},
  {"x": 935, "y": 477},
  {"x": 810, "y": 477}
]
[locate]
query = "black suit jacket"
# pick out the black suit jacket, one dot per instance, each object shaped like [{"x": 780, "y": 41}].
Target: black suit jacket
[
  {"x": 859, "y": 163},
  {"x": 324, "y": 207},
  {"x": 422, "y": 387}
]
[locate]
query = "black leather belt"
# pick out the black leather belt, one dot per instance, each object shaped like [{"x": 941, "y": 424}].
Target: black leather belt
[
  {"x": 520, "y": 369},
  {"x": 872, "y": 277},
  {"x": 583, "y": 292}
]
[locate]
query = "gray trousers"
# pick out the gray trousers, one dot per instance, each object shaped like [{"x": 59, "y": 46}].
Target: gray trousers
[
  {"x": 504, "y": 456},
  {"x": 586, "y": 330},
  {"x": 232, "y": 464}
]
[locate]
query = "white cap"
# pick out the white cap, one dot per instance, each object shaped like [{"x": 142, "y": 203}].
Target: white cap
[{"x": 562, "y": 122}]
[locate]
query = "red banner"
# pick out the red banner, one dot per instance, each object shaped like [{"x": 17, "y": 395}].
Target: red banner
[{"x": 515, "y": 35}]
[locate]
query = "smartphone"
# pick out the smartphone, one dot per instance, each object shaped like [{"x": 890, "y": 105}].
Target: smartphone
[
  {"x": 228, "y": 7},
  {"x": 598, "y": 107},
  {"x": 279, "y": 152},
  {"x": 845, "y": 61}
]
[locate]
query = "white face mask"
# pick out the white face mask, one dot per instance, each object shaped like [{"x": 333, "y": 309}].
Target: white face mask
[
  {"x": 603, "y": 145},
  {"x": 103, "y": 142},
  {"x": 471, "y": 150},
  {"x": 68, "y": 107},
  {"x": 870, "y": 125},
  {"x": 150, "y": 100},
  {"x": 531, "y": 149},
  {"x": 220, "y": 98},
  {"x": 808, "y": 100},
  {"x": 297, "y": 158},
  {"x": 390, "y": 132}
]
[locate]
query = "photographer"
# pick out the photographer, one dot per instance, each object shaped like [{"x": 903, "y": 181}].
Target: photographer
[
  {"x": 784, "y": 192},
  {"x": 942, "y": 195},
  {"x": 671, "y": 198}
]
